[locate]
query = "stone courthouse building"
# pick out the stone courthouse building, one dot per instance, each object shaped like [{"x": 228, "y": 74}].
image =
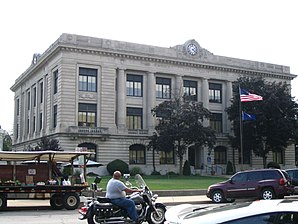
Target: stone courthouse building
[{"x": 98, "y": 93}]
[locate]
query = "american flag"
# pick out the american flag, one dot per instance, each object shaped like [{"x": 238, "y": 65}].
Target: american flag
[{"x": 246, "y": 96}]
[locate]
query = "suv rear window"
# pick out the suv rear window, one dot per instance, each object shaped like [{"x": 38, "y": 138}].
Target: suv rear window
[
  {"x": 254, "y": 176},
  {"x": 271, "y": 174}
]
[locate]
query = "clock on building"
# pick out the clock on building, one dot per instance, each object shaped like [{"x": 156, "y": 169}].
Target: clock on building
[{"x": 192, "y": 49}]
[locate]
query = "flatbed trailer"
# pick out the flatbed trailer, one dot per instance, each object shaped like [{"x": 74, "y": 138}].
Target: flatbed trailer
[{"x": 61, "y": 196}]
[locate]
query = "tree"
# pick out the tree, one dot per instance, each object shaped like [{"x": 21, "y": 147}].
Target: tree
[
  {"x": 47, "y": 144},
  {"x": 153, "y": 145},
  {"x": 7, "y": 142},
  {"x": 275, "y": 124},
  {"x": 181, "y": 126}
]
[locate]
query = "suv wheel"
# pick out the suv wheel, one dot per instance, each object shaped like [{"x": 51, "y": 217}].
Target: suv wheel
[
  {"x": 218, "y": 197},
  {"x": 268, "y": 194}
]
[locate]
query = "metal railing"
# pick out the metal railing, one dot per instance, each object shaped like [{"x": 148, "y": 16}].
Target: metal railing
[{"x": 88, "y": 130}]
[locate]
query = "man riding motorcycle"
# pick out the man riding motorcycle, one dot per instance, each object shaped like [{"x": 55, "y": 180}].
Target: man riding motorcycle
[{"x": 116, "y": 192}]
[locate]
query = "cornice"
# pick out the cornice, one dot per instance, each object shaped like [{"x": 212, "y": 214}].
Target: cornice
[{"x": 180, "y": 62}]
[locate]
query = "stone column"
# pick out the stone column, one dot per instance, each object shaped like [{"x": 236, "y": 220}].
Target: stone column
[
  {"x": 229, "y": 95},
  {"x": 151, "y": 95},
  {"x": 121, "y": 98},
  {"x": 179, "y": 86},
  {"x": 205, "y": 93},
  {"x": 205, "y": 97}
]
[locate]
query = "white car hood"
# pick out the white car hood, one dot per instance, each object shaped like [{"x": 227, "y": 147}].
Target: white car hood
[{"x": 176, "y": 213}]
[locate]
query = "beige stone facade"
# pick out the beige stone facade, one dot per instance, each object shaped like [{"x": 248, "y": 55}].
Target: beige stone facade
[{"x": 98, "y": 93}]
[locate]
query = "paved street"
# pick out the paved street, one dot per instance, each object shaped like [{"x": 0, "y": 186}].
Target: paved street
[{"x": 39, "y": 211}]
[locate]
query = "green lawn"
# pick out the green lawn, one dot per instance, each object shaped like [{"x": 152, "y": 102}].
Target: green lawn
[{"x": 170, "y": 182}]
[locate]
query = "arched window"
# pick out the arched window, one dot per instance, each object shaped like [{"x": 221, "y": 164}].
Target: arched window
[
  {"x": 137, "y": 154},
  {"x": 220, "y": 155},
  {"x": 91, "y": 148}
]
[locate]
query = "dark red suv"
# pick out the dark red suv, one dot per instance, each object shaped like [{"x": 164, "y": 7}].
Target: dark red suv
[{"x": 263, "y": 184}]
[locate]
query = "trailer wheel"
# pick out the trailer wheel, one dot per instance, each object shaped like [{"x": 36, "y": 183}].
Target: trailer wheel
[
  {"x": 3, "y": 202},
  {"x": 56, "y": 202},
  {"x": 71, "y": 201}
]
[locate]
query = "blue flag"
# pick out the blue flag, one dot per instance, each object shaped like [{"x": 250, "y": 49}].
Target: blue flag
[{"x": 248, "y": 117}]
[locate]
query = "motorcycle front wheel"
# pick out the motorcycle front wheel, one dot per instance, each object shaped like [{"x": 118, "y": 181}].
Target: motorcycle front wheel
[{"x": 157, "y": 217}]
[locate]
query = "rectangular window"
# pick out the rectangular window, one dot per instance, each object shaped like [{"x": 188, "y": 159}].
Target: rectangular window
[
  {"x": 41, "y": 92},
  {"x": 17, "y": 132},
  {"x": 278, "y": 157},
  {"x": 190, "y": 90},
  {"x": 134, "y": 118},
  {"x": 134, "y": 85},
  {"x": 28, "y": 100},
  {"x": 40, "y": 121},
  {"x": 166, "y": 157},
  {"x": 216, "y": 122},
  {"x": 34, "y": 123},
  {"x": 55, "y": 113},
  {"x": 55, "y": 82},
  {"x": 220, "y": 155},
  {"x": 28, "y": 125},
  {"x": 215, "y": 93},
  {"x": 18, "y": 107},
  {"x": 88, "y": 79},
  {"x": 34, "y": 97},
  {"x": 163, "y": 88},
  {"x": 137, "y": 154},
  {"x": 87, "y": 115}
]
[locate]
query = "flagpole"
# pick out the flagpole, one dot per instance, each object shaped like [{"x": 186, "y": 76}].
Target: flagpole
[{"x": 240, "y": 127}]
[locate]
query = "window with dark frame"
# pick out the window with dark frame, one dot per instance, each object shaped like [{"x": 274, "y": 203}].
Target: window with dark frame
[
  {"x": 163, "y": 88},
  {"x": 220, "y": 155},
  {"x": 41, "y": 92},
  {"x": 134, "y": 118},
  {"x": 28, "y": 125},
  {"x": 18, "y": 107},
  {"x": 34, "y": 97},
  {"x": 278, "y": 157},
  {"x": 33, "y": 125},
  {"x": 28, "y": 100},
  {"x": 215, "y": 93},
  {"x": 55, "y": 113},
  {"x": 166, "y": 157},
  {"x": 137, "y": 154},
  {"x": 87, "y": 115},
  {"x": 216, "y": 122},
  {"x": 40, "y": 121},
  {"x": 55, "y": 83},
  {"x": 190, "y": 90},
  {"x": 134, "y": 85},
  {"x": 87, "y": 79}
]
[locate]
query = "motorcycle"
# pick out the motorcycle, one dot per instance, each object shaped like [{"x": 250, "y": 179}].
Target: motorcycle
[{"x": 101, "y": 210}]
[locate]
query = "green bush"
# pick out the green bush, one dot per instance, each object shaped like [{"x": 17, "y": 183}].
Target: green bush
[
  {"x": 117, "y": 164},
  {"x": 66, "y": 171},
  {"x": 186, "y": 168},
  {"x": 135, "y": 170},
  {"x": 273, "y": 165},
  {"x": 230, "y": 169}
]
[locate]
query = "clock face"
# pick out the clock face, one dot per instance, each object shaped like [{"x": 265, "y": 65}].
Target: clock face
[{"x": 192, "y": 49}]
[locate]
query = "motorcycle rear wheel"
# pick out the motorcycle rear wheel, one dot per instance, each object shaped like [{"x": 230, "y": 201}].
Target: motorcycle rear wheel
[
  {"x": 153, "y": 218},
  {"x": 92, "y": 220}
]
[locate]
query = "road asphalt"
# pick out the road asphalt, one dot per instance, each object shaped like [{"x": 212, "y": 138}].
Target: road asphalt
[{"x": 169, "y": 198}]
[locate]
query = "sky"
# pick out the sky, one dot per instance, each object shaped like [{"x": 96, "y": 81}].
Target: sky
[{"x": 257, "y": 30}]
